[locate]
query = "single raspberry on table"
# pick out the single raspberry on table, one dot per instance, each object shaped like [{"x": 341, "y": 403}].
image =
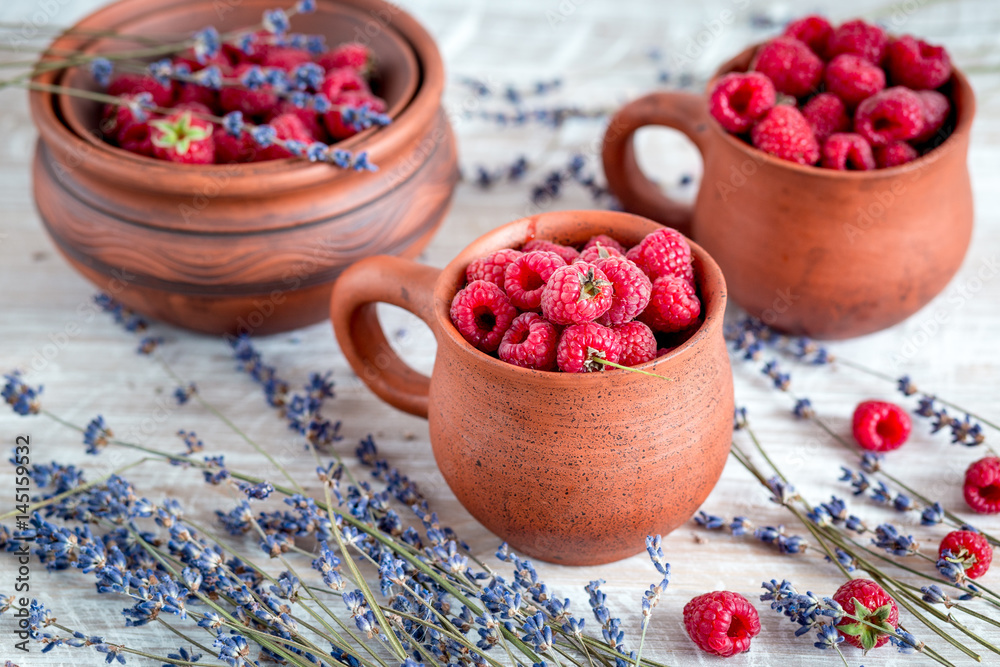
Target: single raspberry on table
[
  {"x": 351, "y": 99},
  {"x": 673, "y": 305},
  {"x": 895, "y": 154},
  {"x": 341, "y": 80},
  {"x": 721, "y": 623},
  {"x": 312, "y": 121},
  {"x": 581, "y": 344},
  {"x": 791, "y": 65},
  {"x": 866, "y": 601},
  {"x": 813, "y": 31},
  {"x": 785, "y": 133},
  {"x": 354, "y": 55},
  {"x": 133, "y": 84},
  {"x": 894, "y": 114},
  {"x": 971, "y": 549},
  {"x": 566, "y": 252},
  {"x": 936, "y": 109},
  {"x": 288, "y": 127},
  {"x": 638, "y": 343},
  {"x": 630, "y": 288},
  {"x": 182, "y": 138},
  {"x": 612, "y": 245},
  {"x": 492, "y": 267},
  {"x": 847, "y": 151},
  {"x": 739, "y": 99},
  {"x": 239, "y": 98},
  {"x": 576, "y": 293},
  {"x": 482, "y": 313},
  {"x": 530, "y": 342},
  {"x": 982, "y": 485},
  {"x": 826, "y": 114},
  {"x": 525, "y": 277},
  {"x": 879, "y": 426},
  {"x": 664, "y": 252},
  {"x": 914, "y": 63},
  {"x": 860, "y": 38},
  {"x": 853, "y": 78}
]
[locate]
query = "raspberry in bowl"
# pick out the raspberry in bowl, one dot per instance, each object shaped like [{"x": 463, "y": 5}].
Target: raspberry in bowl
[
  {"x": 249, "y": 247},
  {"x": 612, "y": 455},
  {"x": 836, "y": 212}
]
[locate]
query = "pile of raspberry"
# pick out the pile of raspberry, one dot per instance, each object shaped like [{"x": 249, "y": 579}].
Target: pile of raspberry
[
  {"x": 554, "y": 307},
  {"x": 341, "y": 81},
  {"x": 847, "y": 98}
]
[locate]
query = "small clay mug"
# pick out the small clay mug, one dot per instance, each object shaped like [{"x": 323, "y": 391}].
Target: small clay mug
[
  {"x": 828, "y": 254},
  {"x": 570, "y": 468}
]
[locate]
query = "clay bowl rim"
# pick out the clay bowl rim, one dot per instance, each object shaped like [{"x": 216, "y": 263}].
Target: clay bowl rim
[
  {"x": 245, "y": 179},
  {"x": 81, "y": 130},
  {"x": 962, "y": 92},
  {"x": 710, "y": 280}
]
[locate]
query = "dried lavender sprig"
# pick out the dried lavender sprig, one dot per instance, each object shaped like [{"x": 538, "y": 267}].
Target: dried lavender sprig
[{"x": 740, "y": 526}]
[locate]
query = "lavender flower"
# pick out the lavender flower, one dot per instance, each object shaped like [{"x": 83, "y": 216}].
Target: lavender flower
[
  {"x": 22, "y": 398},
  {"x": 889, "y": 538},
  {"x": 96, "y": 435},
  {"x": 207, "y": 44},
  {"x": 276, "y": 21},
  {"x": 102, "y": 69}
]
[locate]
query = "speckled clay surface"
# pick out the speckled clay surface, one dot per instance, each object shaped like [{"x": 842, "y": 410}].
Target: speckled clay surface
[
  {"x": 811, "y": 251},
  {"x": 573, "y": 469}
]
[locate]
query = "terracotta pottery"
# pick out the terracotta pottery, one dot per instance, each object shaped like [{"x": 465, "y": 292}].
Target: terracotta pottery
[
  {"x": 570, "y": 468},
  {"x": 247, "y": 248},
  {"x": 828, "y": 254}
]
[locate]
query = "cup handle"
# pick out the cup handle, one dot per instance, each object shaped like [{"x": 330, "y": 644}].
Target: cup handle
[
  {"x": 681, "y": 111},
  {"x": 396, "y": 281}
]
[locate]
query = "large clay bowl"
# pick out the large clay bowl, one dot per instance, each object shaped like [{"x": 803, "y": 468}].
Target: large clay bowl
[
  {"x": 244, "y": 248},
  {"x": 570, "y": 468},
  {"x": 828, "y": 254}
]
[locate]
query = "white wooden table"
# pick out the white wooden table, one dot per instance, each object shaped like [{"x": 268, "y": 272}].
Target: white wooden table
[{"x": 599, "y": 49}]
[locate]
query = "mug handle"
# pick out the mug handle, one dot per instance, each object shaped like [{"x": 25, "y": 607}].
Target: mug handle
[
  {"x": 681, "y": 111},
  {"x": 396, "y": 281}
]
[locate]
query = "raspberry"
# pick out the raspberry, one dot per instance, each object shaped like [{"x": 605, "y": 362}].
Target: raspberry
[
  {"x": 341, "y": 80},
  {"x": 137, "y": 138},
  {"x": 482, "y": 313},
  {"x": 230, "y": 149},
  {"x": 876, "y": 608},
  {"x": 630, "y": 290},
  {"x": 638, "y": 343},
  {"x": 916, "y": 64},
  {"x": 492, "y": 267},
  {"x": 576, "y": 293},
  {"x": 813, "y": 31},
  {"x": 580, "y": 344},
  {"x": 310, "y": 119},
  {"x": 721, "y": 623},
  {"x": 894, "y": 114},
  {"x": 530, "y": 343},
  {"x": 936, "y": 110},
  {"x": 250, "y": 102},
  {"x": 354, "y": 99},
  {"x": 673, "y": 305},
  {"x": 182, "y": 138},
  {"x": 188, "y": 57},
  {"x": 879, "y": 426},
  {"x": 861, "y": 39},
  {"x": 525, "y": 277},
  {"x": 285, "y": 57},
  {"x": 133, "y": 84},
  {"x": 354, "y": 55},
  {"x": 664, "y": 252},
  {"x": 598, "y": 251},
  {"x": 289, "y": 128},
  {"x": 853, "y": 78},
  {"x": 609, "y": 243},
  {"x": 847, "y": 151},
  {"x": 786, "y": 134},
  {"x": 793, "y": 68},
  {"x": 739, "y": 99},
  {"x": 895, "y": 154},
  {"x": 192, "y": 92},
  {"x": 826, "y": 114},
  {"x": 969, "y": 548},
  {"x": 117, "y": 118},
  {"x": 564, "y": 251},
  {"x": 982, "y": 485}
]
